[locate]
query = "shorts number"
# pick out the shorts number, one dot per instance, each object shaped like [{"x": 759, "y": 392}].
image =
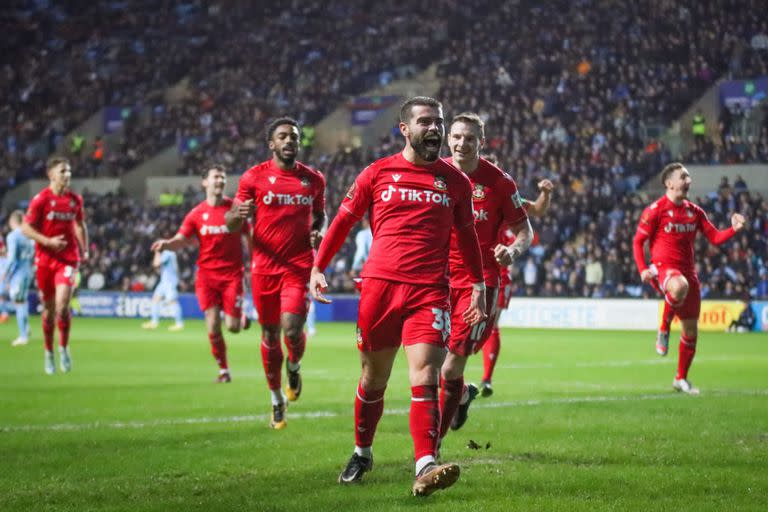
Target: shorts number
[
  {"x": 442, "y": 321},
  {"x": 478, "y": 331},
  {"x": 68, "y": 271}
]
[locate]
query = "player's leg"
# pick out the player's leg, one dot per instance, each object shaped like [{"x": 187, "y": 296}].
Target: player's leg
[
  {"x": 689, "y": 320},
  {"x": 47, "y": 289},
  {"x": 64, "y": 323},
  {"x": 293, "y": 308},
  {"x": 424, "y": 362},
  {"x": 233, "y": 306},
  {"x": 218, "y": 345},
  {"x": 425, "y": 335},
  {"x": 369, "y": 407},
  {"x": 379, "y": 330},
  {"x": 172, "y": 298},
  {"x": 311, "y": 319},
  {"x": 157, "y": 299},
  {"x": 492, "y": 345},
  {"x": 452, "y": 371},
  {"x": 266, "y": 299},
  {"x": 675, "y": 288},
  {"x": 19, "y": 288}
]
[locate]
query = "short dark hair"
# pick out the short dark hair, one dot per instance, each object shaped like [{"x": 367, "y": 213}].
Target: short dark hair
[
  {"x": 54, "y": 161},
  {"x": 667, "y": 171},
  {"x": 217, "y": 167},
  {"x": 271, "y": 127},
  {"x": 470, "y": 118},
  {"x": 406, "y": 108}
]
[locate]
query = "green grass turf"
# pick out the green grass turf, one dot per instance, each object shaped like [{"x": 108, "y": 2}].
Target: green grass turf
[{"x": 580, "y": 420}]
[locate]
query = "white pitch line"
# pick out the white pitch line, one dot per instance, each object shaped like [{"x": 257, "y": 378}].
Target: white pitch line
[
  {"x": 615, "y": 364},
  {"x": 118, "y": 425}
]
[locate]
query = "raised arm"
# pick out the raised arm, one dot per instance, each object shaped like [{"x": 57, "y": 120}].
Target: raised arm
[
  {"x": 716, "y": 236},
  {"x": 539, "y": 207}
]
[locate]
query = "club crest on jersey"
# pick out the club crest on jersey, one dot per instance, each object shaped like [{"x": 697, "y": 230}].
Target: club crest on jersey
[
  {"x": 671, "y": 213},
  {"x": 478, "y": 192},
  {"x": 272, "y": 179},
  {"x": 440, "y": 183},
  {"x": 53, "y": 202},
  {"x": 205, "y": 216},
  {"x": 304, "y": 182},
  {"x": 71, "y": 204},
  {"x": 396, "y": 177},
  {"x": 689, "y": 213}
]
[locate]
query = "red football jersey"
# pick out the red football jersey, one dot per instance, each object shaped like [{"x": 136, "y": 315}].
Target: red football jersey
[
  {"x": 412, "y": 210},
  {"x": 672, "y": 230},
  {"x": 54, "y": 215},
  {"x": 220, "y": 251},
  {"x": 285, "y": 202},
  {"x": 496, "y": 202}
]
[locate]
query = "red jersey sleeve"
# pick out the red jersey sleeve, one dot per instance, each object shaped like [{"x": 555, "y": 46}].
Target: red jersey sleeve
[
  {"x": 646, "y": 227},
  {"x": 245, "y": 190},
  {"x": 359, "y": 196},
  {"x": 464, "y": 222},
  {"x": 714, "y": 235},
  {"x": 35, "y": 211},
  {"x": 514, "y": 207},
  {"x": 189, "y": 225},
  {"x": 318, "y": 205},
  {"x": 79, "y": 214}
]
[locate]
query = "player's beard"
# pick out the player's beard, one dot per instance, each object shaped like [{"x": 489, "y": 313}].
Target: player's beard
[
  {"x": 288, "y": 161},
  {"x": 426, "y": 152}
]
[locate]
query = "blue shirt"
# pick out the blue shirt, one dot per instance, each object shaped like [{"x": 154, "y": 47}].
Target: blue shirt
[
  {"x": 169, "y": 268},
  {"x": 21, "y": 252}
]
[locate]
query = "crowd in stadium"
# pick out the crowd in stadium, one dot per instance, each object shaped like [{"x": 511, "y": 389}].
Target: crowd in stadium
[{"x": 568, "y": 91}]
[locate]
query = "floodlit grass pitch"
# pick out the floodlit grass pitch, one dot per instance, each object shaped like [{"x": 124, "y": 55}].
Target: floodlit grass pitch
[{"x": 580, "y": 420}]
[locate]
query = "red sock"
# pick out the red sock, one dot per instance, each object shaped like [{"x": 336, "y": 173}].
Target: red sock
[
  {"x": 450, "y": 396},
  {"x": 219, "y": 349},
  {"x": 424, "y": 420},
  {"x": 63, "y": 322},
  {"x": 295, "y": 349},
  {"x": 369, "y": 406},
  {"x": 666, "y": 317},
  {"x": 272, "y": 358},
  {"x": 685, "y": 356},
  {"x": 48, "y": 327},
  {"x": 491, "y": 354}
]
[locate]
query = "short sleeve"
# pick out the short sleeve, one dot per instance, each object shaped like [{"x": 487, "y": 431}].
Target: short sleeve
[
  {"x": 359, "y": 196},
  {"x": 318, "y": 205},
  {"x": 189, "y": 225},
  {"x": 462, "y": 214},
  {"x": 245, "y": 188},
  {"x": 79, "y": 214},
  {"x": 514, "y": 209},
  {"x": 648, "y": 220},
  {"x": 35, "y": 211}
]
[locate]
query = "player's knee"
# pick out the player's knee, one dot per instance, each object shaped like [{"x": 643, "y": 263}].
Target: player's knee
[
  {"x": 271, "y": 334},
  {"x": 453, "y": 367},
  {"x": 678, "y": 288},
  {"x": 63, "y": 314},
  {"x": 293, "y": 333}
]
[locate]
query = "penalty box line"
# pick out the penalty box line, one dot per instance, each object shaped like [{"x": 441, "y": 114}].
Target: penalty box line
[{"x": 119, "y": 425}]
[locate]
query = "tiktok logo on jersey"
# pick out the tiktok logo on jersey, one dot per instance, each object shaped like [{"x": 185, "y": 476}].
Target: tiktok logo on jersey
[
  {"x": 65, "y": 216},
  {"x": 415, "y": 196},
  {"x": 679, "y": 228},
  {"x": 214, "y": 230},
  {"x": 287, "y": 199},
  {"x": 480, "y": 215}
]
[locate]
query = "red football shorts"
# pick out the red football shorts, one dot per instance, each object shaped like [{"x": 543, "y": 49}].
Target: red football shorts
[
  {"x": 274, "y": 294},
  {"x": 393, "y": 313},
  {"x": 217, "y": 290},
  {"x": 691, "y": 306},
  {"x": 465, "y": 339},
  {"x": 52, "y": 273},
  {"x": 505, "y": 294}
]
